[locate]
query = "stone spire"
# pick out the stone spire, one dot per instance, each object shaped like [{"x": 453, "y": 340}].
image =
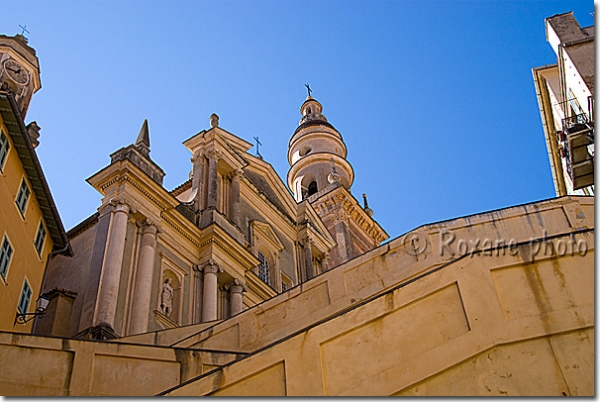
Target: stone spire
[
  {"x": 139, "y": 154},
  {"x": 368, "y": 210},
  {"x": 143, "y": 140}
]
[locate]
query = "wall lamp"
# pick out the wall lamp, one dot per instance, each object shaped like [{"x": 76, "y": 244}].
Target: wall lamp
[{"x": 42, "y": 304}]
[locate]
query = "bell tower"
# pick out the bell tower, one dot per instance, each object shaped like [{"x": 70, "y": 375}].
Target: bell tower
[
  {"x": 320, "y": 175},
  {"x": 19, "y": 70},
  {"x": 316, "y": 154}
]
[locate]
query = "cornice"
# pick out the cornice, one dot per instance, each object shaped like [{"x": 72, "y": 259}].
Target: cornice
[
  {"x": 126, "y": 172},
  {"x": 314, "y": 135},
  {"x": 181, "y": 188},
  {"x": 319, "y": 157},
  {"x": 185, "y": 233},
  {"x": 260, "y": 288},
  {"x": 216, "y": 235}
]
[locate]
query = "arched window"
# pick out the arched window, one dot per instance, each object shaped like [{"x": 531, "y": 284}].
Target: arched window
[
  {"x": 312, "y": 188},
  {"x": 263, "y": 269}
]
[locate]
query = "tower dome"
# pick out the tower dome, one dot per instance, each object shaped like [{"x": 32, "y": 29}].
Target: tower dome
[{"x": 316, "y": 154}]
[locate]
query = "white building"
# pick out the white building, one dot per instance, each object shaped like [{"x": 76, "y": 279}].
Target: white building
[{"x": 565, "y": 92}]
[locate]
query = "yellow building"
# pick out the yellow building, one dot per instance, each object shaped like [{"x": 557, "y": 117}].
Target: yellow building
[{"x": 30, "y": 228}]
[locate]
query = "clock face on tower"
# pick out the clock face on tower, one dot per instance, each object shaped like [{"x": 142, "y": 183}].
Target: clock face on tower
[{"x": 16, "y": 72}]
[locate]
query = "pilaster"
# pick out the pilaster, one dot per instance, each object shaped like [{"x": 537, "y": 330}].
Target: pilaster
[
  {"x": 235, "y": 196},
  {"x": 308, "y": 258},
  {"x": 213, "y": 160}
]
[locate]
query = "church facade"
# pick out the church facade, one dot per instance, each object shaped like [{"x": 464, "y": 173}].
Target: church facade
[{"x": 225, "y": 240}]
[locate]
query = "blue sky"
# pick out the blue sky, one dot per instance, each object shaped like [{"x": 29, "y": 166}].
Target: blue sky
[{"x": 435, "y": 99}]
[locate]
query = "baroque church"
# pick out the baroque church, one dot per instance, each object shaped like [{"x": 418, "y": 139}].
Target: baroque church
[
  {"x": 238, "y": 284},
  {"x": 225, "y": 240}
]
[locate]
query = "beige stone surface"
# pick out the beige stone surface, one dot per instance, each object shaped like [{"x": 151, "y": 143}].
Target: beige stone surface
[{"x": 52, "y": 366}]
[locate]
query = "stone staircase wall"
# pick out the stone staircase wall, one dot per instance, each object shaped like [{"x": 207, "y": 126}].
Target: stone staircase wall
[{"x": 499, "y": 327}]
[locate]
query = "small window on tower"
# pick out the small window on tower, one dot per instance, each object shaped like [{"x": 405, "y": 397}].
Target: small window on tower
[
  {"x": 305, "y": 150},
  {"x": 312, "y": 188}
]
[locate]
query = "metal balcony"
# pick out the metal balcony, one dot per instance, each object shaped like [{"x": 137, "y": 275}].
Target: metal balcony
[{"x": 579, "y": 133}]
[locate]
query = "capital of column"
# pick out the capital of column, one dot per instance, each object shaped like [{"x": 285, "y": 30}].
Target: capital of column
[
  {"x": 212, "y": 268},
  {"x": 307, "y": 242},
  {"x": 213, "y": 154},
  {"x": 198, "y": 155},
  {"x": 121, "y": 205},
  {"x": 148, "y": 226},
  {"x": 236, "y": 286},
  {"x": 236, "y": 174}
]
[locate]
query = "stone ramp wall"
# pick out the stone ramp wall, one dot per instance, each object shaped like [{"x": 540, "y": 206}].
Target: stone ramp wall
[{"x": 42, "y": 366}]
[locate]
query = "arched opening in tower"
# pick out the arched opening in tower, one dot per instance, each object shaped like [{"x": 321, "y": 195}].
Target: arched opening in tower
[{"x": 312, "y": 188}]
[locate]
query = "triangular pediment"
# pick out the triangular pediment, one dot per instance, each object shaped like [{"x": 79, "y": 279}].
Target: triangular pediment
[
  {"x": 283, "y": 197},
  {"x": 235, "y": 141},
  {"x": 267, "y": 233}
]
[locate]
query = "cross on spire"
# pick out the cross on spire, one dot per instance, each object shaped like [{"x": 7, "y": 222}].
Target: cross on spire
[
  {"x": 24, "y": 29},
  {"x": 308, "y": 88},
  {"x": 258, "y": 143}
]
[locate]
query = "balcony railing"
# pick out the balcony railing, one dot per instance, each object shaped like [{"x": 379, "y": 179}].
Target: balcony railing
[{"x": 577, "y": 136}]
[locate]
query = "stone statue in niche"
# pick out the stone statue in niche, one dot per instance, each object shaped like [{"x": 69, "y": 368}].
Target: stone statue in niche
[{"x": 166, "y": 298}]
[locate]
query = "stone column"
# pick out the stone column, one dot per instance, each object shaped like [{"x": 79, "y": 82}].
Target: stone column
[
  {"x": 308, "y": 259},
  {"x": 143, "y": 279},
  {"x": 210, "y": 294},
  {"x": 213, "y": 160},
  {"x": 236, "y": 305},
  {"x": 111, "y": 275},
  {"x": 235, "y": 196},
  {"x": 197, "y": 304}
]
